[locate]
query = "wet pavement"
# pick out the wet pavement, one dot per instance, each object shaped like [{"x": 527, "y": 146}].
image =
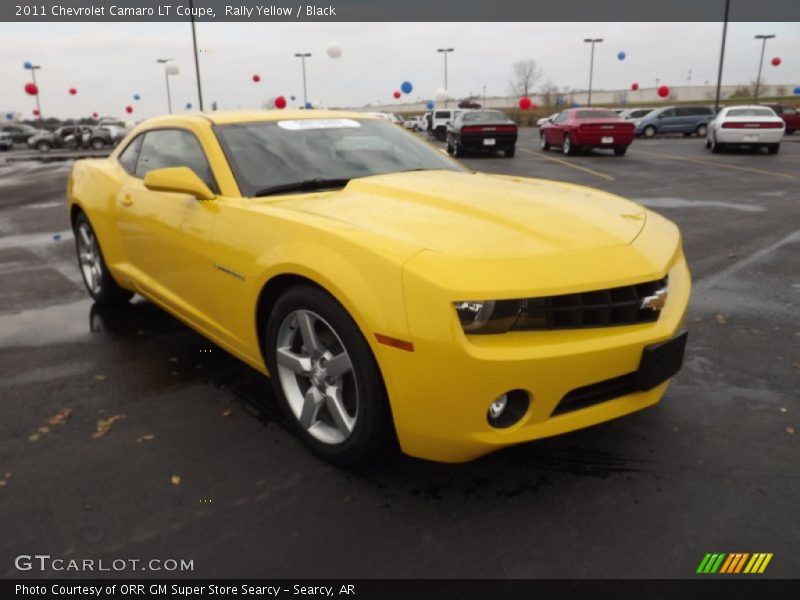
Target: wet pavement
[{"x": 124, "y": 434}]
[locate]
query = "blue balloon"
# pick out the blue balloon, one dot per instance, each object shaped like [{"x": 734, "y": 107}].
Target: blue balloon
[
  {"x": 621, "y": 55},
  {"x": 10, "y": 116},
  {"x": 136, "y": 96},
  {"x": 797, "y": 90},
  {"x": 406, "y": 87},
  {"x": 308, "y": 105},
  {"x": 429, "y": 105},
  {"x": 293, "y": 98},
  {"x": 28, "y": 64},
  {"x": 188, "y": 106}
]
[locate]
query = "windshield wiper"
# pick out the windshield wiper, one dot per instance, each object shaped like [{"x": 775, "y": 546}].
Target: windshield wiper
[{"x": 307, "y": 185}]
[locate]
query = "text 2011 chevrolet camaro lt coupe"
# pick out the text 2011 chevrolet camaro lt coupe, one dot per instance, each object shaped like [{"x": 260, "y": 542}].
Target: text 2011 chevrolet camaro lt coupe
[{"x": 384, "y": 288}]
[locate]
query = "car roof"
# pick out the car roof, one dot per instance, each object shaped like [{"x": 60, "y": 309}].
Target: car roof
[{"x": 230, "y": 117}]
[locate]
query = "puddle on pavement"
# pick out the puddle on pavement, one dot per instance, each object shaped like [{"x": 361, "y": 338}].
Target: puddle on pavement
[
  {"x": 683, "y": 203},
  {"x": 34, "y": 239}
]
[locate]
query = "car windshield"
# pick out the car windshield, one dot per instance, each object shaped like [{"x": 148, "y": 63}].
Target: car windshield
[
  {"x": 751, "y": 112},
  {"x": 485, "y": 116},
  {"x": 638, "y": 114},
  {"x": 272, "y": 156},
  {"x": 597, "y": 114}
]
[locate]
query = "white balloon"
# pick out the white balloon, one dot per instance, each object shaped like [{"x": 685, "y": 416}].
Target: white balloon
[
  {"x": 334, "y": 50},
  {"x": 440, "y": 95}
]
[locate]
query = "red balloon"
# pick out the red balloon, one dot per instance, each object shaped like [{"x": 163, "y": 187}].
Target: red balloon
[
  {"x": 94, "y": 115},
  {"x": 634, "y": 86},
  {"x": 35, "y": 112},
  {"x": 129, "y": 109},
  {"x": 525, "y": 103},
  {"x": 663, "y": 91},
  {"x": 31, "y": 89},
  {"x": 256, "y": 78},
  {"x": 397, "y": 95},
  {"x": 280, "y": 102},
  {"x": 73, "y": 91},
  {"x": 776, "y": 61}
]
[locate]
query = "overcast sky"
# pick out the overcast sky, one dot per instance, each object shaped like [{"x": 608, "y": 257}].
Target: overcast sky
[{"x": 109, "y": 62}]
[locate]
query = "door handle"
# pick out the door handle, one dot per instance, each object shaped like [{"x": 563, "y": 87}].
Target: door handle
[{"x": 126, "y": 200}]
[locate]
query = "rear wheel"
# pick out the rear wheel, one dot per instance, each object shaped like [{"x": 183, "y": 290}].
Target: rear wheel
[
  {"x": 98, "y": 144},
  {"x": 458, "y": 152},
  {"x": 773, "y": 148},
  {"x": 98, "y": 280},
  {"x": 543, "y": 143},
  {"x": 325, "y": 377},
  {"x": 510, "y": 151},
  {"x": 649, "y": 131},
  {"x": 43, "y": 146},
  {"x": 620, "y": 150},
  {"x": 568, "y": 147},
  {"x": 701, "y": 130},
  {"x": 790, "y": 131},
  {"x": 716, "y": 147}
]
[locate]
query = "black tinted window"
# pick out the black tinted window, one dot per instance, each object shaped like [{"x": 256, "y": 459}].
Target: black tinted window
[
  {"x": 684, "y": 112},
  {"x": 668, "y": 113},
  {"x": 789, "y": 111},
  {"x": 165, "y": 148},
  {"x": 701, "y": 110},
  {"x": 484, "y": 116},
  {"x": 128, "y": 156}
]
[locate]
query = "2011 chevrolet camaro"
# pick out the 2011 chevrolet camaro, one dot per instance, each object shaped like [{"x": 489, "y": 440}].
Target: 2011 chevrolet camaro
[{"x": 384, "y": 288}]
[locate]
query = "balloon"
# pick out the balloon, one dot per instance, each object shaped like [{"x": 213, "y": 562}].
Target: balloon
[
  {"x": 72, "y": 91},
  {"x": 308, "y": 105},
  {"x": 634, "y": 86},
  {"x": 621, "y": 55},
  {"x": 440, "y": 95},
  {"x": 396, "y": 94},
  {"x": 429, "y": 105},
  {"x": 334, "y": 50},
  {"x": 35, "y": 112},
  {"x": 31, "y": 89},
  {"x": 9, "y": 116},
  {"x": 129, "y": 109},
  {"x": 256, "y": 78},
  {"x": 797, "y": 90},
  {"x": 28, "y": 65},
  {"x": 776, "y": 61},
  {"x": 663, "y": 91},
  {"x": 406, "y": 87},
  {"x": 280, "y": 102},
  {"x": 188, "y": 106},
  {"x": 136, "y": 97},
  {"x": 525, "y": 103},
  {"x": 94, "y": 115}
]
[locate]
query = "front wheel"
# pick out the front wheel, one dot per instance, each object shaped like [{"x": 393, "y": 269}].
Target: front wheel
[
  {"x": 98, "y": 280},
  {"x": 325, "y": 377},
  {"x": 543, "y": 143},
  {"x": 98, "y": 144},
  {"x": 43, "y": 147},
  {"x": 701, "y": 130}
]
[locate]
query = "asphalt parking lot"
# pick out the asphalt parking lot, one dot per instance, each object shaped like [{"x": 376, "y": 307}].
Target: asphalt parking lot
[{"x": 125, "y": 434}]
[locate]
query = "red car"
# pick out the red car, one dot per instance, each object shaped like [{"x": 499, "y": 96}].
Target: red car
[
  {"x": 578, "y": 128},
  {"x": 790, "y": 116}
]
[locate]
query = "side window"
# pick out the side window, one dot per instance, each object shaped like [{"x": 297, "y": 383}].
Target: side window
[
  {"x": 668, "y": 113},
  {"x": 164, "y": 148},
  {"x": 684, "y": 112},
  {"x": 789, "y": 111},
  {"x": 128, "y": 156},
  {"x": 560, "y": 118}
]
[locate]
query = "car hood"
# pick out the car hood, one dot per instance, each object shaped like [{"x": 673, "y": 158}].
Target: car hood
[{"x": 474, "y": 214}]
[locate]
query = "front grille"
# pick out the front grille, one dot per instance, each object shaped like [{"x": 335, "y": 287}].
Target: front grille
[
  {"x": 599, "y": 308},
  {"x": 589, "y": 395}
]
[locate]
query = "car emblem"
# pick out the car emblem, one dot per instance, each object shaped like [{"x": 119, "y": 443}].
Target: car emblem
[{"x": 656, "y": 301}]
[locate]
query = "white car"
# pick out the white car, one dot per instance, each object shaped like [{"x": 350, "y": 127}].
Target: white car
[
  {"x": 544, "y": 120},
  {"x": 415, "y": 124},
  {"x": 391, "y": 117},
  {"x": 756, "y": 126}
]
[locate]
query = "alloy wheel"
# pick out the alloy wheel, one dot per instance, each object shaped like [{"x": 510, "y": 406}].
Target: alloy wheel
[{"x": 89, "y": 258}]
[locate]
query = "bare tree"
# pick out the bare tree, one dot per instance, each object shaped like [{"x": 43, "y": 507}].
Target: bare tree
[
  {"x": 549, "y": 92},
  {"x": 525, "y": 75}
]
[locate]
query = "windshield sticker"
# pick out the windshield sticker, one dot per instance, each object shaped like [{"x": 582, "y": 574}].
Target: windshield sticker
[{"x": 303, "y": 124}]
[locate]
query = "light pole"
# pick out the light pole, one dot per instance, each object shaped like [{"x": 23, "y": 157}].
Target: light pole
[
  {"x": 722, "y": 55},
  {"x": 196, "y": 58},
  {"x": 484, "y": 96},
  {"x": 167, "y": 73},
  {"x": 591, "y": 41},
  {"x": 303, "y": 56},
  {"x": 763, "y": 39},
  {"x": 33, "y": 69},
  {"x": 445, "y": 51}
]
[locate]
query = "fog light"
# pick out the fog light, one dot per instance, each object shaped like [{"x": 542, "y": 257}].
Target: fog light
[{"x": 508, "y": 408}]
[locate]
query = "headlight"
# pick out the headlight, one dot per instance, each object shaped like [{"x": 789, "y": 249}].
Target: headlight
[{"x": 487, "y": 316}]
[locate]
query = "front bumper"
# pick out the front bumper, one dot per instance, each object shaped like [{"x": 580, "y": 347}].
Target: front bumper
[{"x": 440, "y": 392}]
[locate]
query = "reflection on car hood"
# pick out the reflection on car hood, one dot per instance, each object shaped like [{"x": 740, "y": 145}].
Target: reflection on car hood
[{"x": 474, "y": 214}]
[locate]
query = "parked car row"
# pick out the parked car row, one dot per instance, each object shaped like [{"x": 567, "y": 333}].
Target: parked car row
[{"x": 107, "y": 133}]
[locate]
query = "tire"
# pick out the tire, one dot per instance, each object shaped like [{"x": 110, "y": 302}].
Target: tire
[
  {"x": 620, "y": 150},
  {"x": 98, "y": 280},
  {"x": 510, "y": 152},
  {"x": 543, "y": 143},
  {"x": 701, "y": 130},
  {"x": 716, "y": 147},
  {"x": 98, "y": 144},
  {"x": 449, "y": 148},
  {"x": 43, "y": 147},
  {"x": 649, "y": 131},
  {"x": 686, "y": 134},
  {"x": 790, "y": 131},
  {"x": 708, "y": 143},
  {"x": 773, "y": 148},
  {"x": 458, "y": 151},
  {"x": 568, "y": 147},
  {"x": 309, "y": 395}
]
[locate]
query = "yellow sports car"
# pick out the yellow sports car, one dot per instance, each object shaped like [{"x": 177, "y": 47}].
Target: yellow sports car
[{"x": 387, "y": 290}]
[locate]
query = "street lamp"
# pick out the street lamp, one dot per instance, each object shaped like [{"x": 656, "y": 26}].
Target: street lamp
[
  {"x": 196, "y": 57},
  {"x": 303, "y": 56},
  {"x": 445, "y": 51},
  {"x": 591, "y": 41},
  {"x": 33, "y": 69},
  {"x": 763, "y": 39},
  {"x": 168, "y": 70}
]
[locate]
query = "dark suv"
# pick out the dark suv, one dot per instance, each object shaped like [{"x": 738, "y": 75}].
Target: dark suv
[
  {"x": 20, "y": 132},
  {"x": 69, "y": 136},
  {"x": 6, "y": 143}
]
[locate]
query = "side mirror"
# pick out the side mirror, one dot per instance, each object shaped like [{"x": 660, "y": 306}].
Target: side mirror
[{"x": 179, "y": 180}]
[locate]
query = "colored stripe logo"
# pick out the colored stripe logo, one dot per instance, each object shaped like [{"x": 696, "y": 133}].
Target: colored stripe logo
[{"x": 734, "y": 563}]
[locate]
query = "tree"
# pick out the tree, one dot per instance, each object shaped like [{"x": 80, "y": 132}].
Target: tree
[
  {"x": 525, "y": 75},
  {"x": 549, "y": 92}
]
